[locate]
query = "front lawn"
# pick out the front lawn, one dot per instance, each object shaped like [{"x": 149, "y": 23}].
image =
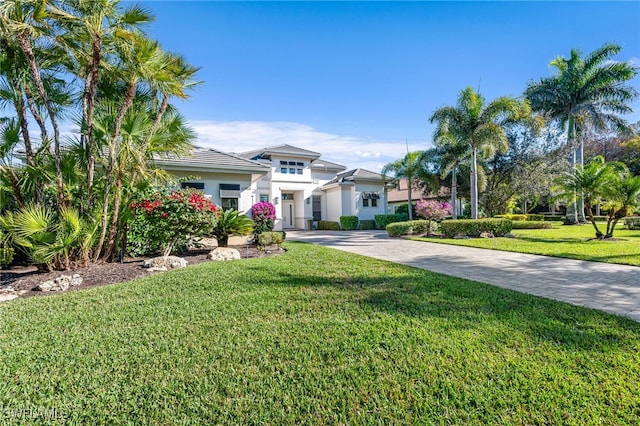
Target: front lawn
[
  {"x": 314, "y": 336},
  {"x": 573, "y": 242}
]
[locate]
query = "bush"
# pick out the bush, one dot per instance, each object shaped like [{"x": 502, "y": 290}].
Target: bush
[
  {"x": 269, "y": 238},
  {"x": 520, "y": 217},
  {"x": 382, "y": 220},
  {"x": 349, "y": 223},
  {"x": 164, "y": 221},
  {"x": 553, "y": 217},
  {"x": 632, "y": 223},
  {"x": 6, "y": 255},
  {"x": 264, "y": 217},
  {"x": 475, "y": 227},
  {"x": 530, "y": 224},
  {"x": 326, "y": 225},
  {"x": 411, "y": 227},
  {"x": 367, "y": 224},
  {"x": 229, "y": 223}
]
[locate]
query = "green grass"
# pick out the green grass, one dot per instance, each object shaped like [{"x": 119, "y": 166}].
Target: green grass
[
  {"x": 573, "y": 242},
  {"x": 314, "y": 336}
]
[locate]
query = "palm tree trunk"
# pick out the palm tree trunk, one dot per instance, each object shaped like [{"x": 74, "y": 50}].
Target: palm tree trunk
[
  {"x": 88, "y": 104},
  {"x": 156, "y": 122},
  {"x": 24, "y": 128},
  {"x": 572, "y": 209},
  {"x": 474, "y": 183},
  {"x": 454, "y": 190},
  {"x": 126, "y": 104},
  {"x": 109, "y": 253},
  {"x": 25, "y": 46},
  {"x": 36, "y": 115},
  {"x": 409, "y": 200}
]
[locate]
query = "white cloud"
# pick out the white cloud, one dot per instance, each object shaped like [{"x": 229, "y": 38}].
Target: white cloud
[
  {"x": 634, "y": 61},
  {"x": 351, "y": 151}
]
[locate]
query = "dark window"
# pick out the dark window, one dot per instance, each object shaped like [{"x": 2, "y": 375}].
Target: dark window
[
  {"x": 317, "y": 207},
  {"x": 292, "y": 170},
  {"x": 283, "y": 170},
  {"x": 287, "y": 196},
  {"x": 374, "y": 202},
  {"x": 299, "y": 164},
  {"x": 299, "y": 171},
  {"x": 283, "y": 163},
  {"x": 194, "y": 185},
  {"x": 292, "y": 163},
  {"x": 264, "y": 197},
  {"x": 229, "y": 204},
  {"x": 365, "y": 202}
]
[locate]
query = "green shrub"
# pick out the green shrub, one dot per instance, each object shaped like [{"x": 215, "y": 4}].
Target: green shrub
[
  {"x": 6, "y": 255},
  {"x": 632, "y": 223},
  {"x": 327, "y": 225},
  {"x": 530, "y": 224},
  {"x": 270, "y": 237},
  {"x": 367, "y": 224},
  {"x": 520, "y": 217},
  {"x": 382, "y": 220},
  {"x": 553, "y": 217},
  {"x": 349, "y": 223},
  {"x": 475, "y": 227},
  {"x": 411, "y": 227},
  {"x": 229, "y": 223}
]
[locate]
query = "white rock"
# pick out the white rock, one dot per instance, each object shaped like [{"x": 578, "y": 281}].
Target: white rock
[
  {"x": 61, "y": 283},
  {"x": 164, "y": 263},
  {"x": 8, "y": 294},
  {"x": 224, "y": 253}
]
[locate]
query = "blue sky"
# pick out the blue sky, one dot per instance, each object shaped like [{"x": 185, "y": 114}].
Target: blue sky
[{"x": 354, "y": 80}]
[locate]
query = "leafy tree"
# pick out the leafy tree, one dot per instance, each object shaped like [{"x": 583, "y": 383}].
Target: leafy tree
[
  {"x": 589, "y": 90},
  {"x": 479, "y": 125},
  {"x": 231, "y": 222}
]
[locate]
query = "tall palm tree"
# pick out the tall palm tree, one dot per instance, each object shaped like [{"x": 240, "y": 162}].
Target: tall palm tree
[
  {"x": 408, "y": 168},
  {"x": 590, "y": 89},
  {"x": 451, "y": 153},
  {"x": 480, "y": 126}
]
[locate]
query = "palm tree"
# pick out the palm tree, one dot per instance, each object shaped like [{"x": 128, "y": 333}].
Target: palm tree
[
  {"x": 479, "y": 126},
  {"x": 408, "y": 167},
  {"x": 589, "y": 89},
  {"x": 451, "y": 153}
]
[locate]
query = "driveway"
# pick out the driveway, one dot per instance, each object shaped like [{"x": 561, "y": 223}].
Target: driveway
[{"x": 604, "y": 286}]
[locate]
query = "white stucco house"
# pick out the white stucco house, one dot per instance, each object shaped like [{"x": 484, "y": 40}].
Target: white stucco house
[{"x": 303, "y": 188}]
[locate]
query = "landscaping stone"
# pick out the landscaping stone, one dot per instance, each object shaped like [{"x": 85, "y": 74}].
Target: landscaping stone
[
  {"x": 486, "y": 235},
  {"x": 165, "y": 263},
  {"x": 461, "y": 237},
  {"x": 8, "y": 293},
  {"x": 509, "y": 235},
  {"x": 62, "y": 283},
  {"x": 224, "y": 253}
]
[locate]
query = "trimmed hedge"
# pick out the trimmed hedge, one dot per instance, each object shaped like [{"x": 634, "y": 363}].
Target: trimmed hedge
[
  {"x": 367, "y": 224},
  {"x": 521, "y": 217},
  {"x": 268, "y": 238},
  {"x": 382, "y": 220},
  {"x": 554, "y": 217},
  {"x": 349, "y": 223},
  {"x": 632, "y": 223},
  {"x": 411, "y": 227},
  {"x": 475, "y": 227},
  {"x": 530, "y": 224},
  {"x": 326, "y": 225}
]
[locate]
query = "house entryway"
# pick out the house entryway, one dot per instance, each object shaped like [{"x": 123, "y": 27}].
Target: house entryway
[{"x": 288, "y": 212}]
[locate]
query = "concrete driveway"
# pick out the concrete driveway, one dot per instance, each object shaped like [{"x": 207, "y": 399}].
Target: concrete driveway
[{"x": 608, "y": 287}]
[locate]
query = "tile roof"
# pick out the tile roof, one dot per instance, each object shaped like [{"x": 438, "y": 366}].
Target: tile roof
[
  {"x": 282, "y": 150},
  {"x": 324, "y": 164},
  {"x": 355, "y": 174},
  {"x": 212, "y": 158}
]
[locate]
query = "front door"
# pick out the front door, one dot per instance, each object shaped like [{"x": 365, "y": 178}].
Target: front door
[{"x": 288, "y": 214}]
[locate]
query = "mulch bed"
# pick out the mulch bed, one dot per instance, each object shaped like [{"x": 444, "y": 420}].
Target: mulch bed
[{"x": 24, "y": 278}]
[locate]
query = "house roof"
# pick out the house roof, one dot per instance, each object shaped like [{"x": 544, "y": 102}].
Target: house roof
[
  {"x": 208, "y": 158},
  {"x": 324, "y": 164},
  {"x": 285, "y": 149},
  {"x": 353, "y": 175}
]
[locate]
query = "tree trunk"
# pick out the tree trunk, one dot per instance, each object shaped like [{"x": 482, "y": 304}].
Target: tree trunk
[
  {"x": 223, "y": 241},
  {"x": 572, "y": 208},
  {"x": 409, "y": 200},
  {"x": 454, "y": 190},
  {"x": 88, "y": 104},
  {"x": 25, "y": 46},
  {"x": 126, "y": 104},
  {"x": 474, "y": 183},
  {"x": 156, "y": 122},
  {"x": 109, "y": 253}
]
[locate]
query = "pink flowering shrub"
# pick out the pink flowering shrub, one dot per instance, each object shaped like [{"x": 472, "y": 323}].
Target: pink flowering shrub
[
  {"x": 264, "y": 217},
  {"x": 433, "y": 210},
  {"x": 166, "y": 220}
]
